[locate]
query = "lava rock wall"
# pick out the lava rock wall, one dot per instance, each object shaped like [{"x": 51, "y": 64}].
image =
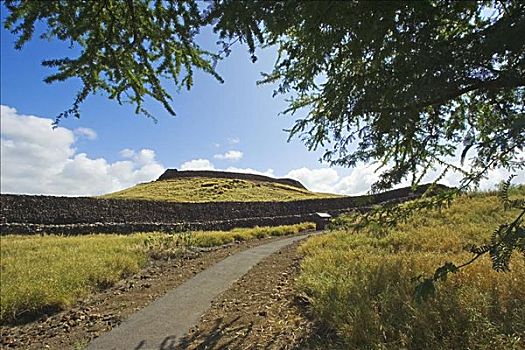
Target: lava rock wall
[{"x": 24, "y": 214}]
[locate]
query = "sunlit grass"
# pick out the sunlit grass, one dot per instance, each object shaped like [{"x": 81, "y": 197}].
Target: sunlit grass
[
  {"x": 209, "y": 239},
  {"x": 52, "y": 272},
  {"x": 215, "y": 190},
  {"x": 361, "y": 284}
]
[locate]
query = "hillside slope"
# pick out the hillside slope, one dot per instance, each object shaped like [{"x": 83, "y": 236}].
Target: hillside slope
[{"x": 204, "y": 189}]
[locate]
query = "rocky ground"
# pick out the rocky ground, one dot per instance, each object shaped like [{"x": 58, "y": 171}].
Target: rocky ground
[{"x": 260, "y": 311}]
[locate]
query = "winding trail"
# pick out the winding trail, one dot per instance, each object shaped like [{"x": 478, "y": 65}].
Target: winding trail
[{"x": 164, "y": 322}]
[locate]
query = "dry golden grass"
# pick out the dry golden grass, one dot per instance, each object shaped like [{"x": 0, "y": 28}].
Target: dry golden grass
[
  {"x": 215, "y": 190},
  {"x": 361, "y": 285},
  {"x": 40, "y": 272},
  {"x": 52, "y": 272}
]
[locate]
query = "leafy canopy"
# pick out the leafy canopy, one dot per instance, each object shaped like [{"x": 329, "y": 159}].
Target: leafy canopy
[
  {"x": 402, "y": 83},
  {"x": 126, "y": 47},
  {"x": 406, "y": 84}
]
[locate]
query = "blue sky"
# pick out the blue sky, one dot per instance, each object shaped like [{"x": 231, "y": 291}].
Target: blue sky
[
  {"x": 209, "y": 114},
  {"x": 233, "y": 126}
]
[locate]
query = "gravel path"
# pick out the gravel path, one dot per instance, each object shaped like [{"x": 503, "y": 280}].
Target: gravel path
[{"x": 162, "y": 324}]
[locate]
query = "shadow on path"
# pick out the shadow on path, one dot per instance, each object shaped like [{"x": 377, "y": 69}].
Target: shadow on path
[{"x": 211, "y": 338}]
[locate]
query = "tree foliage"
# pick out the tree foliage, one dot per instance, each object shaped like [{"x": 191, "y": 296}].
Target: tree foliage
[
  {"x": 406, "y": 84},
  {"x": 126, "y": 46}
]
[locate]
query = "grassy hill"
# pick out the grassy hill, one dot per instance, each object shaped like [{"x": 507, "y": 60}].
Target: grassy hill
[
  {"x": 361, "y": 285},
  {"x": 200, "y": 189}
]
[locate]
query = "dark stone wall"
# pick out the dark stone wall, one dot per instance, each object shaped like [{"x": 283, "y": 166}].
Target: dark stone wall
[
  {"x": 26, "y": 214},
  {"x": 175, "y": 174},
  {"x": 125, "y": 228}
]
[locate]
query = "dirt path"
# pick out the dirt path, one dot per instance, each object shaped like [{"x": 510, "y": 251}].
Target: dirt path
[
  {"x": 260, "y": 311},
  {"x": 91, "y": 317},
  {"x": 162, "y": 324}
]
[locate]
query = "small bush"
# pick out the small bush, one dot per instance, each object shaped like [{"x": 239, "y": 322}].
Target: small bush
[
  {"x": 261, "y": 232},
  {"x": 211, "y": 239},
  {"x": 240, "y": 235}
]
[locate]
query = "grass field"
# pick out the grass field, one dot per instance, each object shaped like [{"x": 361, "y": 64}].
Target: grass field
[
  {"x": 41, "y": 273},
  {"x": 215, "y": 190},
  {"x": 361, "y": 288}
]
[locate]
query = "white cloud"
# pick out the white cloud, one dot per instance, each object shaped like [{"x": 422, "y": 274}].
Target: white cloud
[
  {"x": 318, "y": 180},
  {"x": 361, "y": 178},
  {"x": 357, "y": 182},
  {"x": 143, "y": 157},
  {"x": 88, "y": 133},
  {"x": 127, "y": 153},
  {"x": 229, "y": 141},
  {"x": 37, "y": 159},
  {"x": 205, "y": 164},
  {"x": 490, "y": 182},
  {"x": 493, "y": 178},
  {"x": 329, "y": 180},
  {"x": 268, "y": 172},
  {"x": 230, "y": 155},
  {"x": 197, "y": 164}
]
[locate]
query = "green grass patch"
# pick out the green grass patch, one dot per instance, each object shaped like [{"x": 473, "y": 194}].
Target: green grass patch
[
  {"x": 361, "y": 285},
  {"x": 40, "y": 273},
  {"x": 215, "y": 190}
]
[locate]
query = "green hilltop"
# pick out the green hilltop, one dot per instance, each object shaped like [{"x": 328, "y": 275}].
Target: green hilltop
[{"x": 210, "y": 189}]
